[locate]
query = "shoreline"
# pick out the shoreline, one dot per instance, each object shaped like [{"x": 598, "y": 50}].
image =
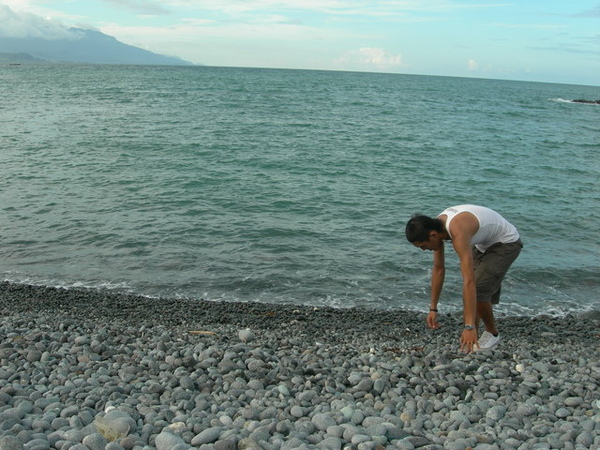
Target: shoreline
[
  {"x": 80, "y": 366},
  {"x": 87, "y": 303},
  {"x": 363, "y": 325}
]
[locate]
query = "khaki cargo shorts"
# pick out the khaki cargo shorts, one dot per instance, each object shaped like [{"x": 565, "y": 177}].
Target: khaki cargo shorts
[{"x": 491, "y": 267}]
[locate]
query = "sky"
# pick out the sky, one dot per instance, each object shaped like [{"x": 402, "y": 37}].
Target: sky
[{"x": 532, "y": 40}]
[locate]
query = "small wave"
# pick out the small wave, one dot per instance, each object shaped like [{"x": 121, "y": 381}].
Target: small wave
[{"x": 103, "y": 286}]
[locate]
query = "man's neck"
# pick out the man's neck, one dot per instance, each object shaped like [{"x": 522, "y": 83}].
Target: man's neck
[{"x": 445, "y": 235}]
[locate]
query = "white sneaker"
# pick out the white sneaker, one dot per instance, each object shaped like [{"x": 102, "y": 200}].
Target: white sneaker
[{"x": 487, "y": 341}]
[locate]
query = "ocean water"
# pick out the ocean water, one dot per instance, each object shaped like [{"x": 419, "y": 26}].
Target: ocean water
[{"x": 286, "y": 186}]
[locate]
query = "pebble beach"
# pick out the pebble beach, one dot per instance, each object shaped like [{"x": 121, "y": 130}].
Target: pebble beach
[{"x": 85, "y": 369}]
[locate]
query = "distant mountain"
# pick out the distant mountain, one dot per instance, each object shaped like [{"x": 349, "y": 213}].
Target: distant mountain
[
  {"x": 82, "y": 46},
  {"x": 18, "y": 58}
]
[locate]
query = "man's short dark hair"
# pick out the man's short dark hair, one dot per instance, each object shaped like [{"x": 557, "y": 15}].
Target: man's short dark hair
[{"x": 419, "y": 227}]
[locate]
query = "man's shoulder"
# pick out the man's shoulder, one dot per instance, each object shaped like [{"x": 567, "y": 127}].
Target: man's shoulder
[{"x": 464, "y": 223}]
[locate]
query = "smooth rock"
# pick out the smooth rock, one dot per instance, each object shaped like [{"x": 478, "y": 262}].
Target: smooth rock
[{"x": 167, "y": 441}]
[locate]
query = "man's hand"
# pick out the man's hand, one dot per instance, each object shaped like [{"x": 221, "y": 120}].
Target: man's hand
[
  {"x": 432, "y": 320},
  {"x": 468, "y": 341}
]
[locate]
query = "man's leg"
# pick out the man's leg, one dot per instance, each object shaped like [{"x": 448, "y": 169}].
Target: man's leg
[
  {"x": 484, "y": 294},
  {"x": 485, "y": 312},
  {"x": 490, "y": 269}
]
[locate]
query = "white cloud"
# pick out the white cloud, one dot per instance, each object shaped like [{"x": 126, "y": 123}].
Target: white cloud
[
  {"x": 361, "y": 7},
  {"x": 23, "y": 25},
  {"x": 532, "y": 26},
  {"x": 472, "y": 65},
  {"x": 369, "y": 58},
  {"x": 17, "y": 4},
  {"x": 149, "y": 8}
]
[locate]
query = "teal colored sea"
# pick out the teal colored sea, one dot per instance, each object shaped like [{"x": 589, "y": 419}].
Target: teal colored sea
[{"x": 284, "y": 186}]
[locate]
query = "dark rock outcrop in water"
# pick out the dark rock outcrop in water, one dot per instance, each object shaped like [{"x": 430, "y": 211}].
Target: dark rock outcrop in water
[{"x": 593, "y": 102}]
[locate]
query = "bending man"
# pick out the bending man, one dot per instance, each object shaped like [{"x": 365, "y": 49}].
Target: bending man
[{"x": 486, "y": 244}]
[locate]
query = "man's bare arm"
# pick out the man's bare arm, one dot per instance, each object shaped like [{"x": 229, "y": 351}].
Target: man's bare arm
[
  {"x": 437, "y": 282},
  {"x": 463, "y": 228}
]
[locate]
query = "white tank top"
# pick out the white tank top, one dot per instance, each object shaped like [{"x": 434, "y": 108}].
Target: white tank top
[{"x": 493, "y": 228}]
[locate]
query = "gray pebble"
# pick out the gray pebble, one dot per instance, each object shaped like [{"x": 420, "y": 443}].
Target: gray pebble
[
  {"x": 167, "y": 440},
  {"x": 114, "y": 446},
  {"x": 323, "y": 421},
  {"x": 585, "y": 439},
  {"x": 496, "y": 412},
  {"x": 95, "y": 441},
  {"x": 207, "y": 436},
  {"x": 297, "y": 411},
  {"x": 187, "y": 383},
  {"x": 331, "y": 443},
  {"x": 573, "y": 401},
  {"x": 10, "y": 443},
  {"x": 246, "y": 335}
]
